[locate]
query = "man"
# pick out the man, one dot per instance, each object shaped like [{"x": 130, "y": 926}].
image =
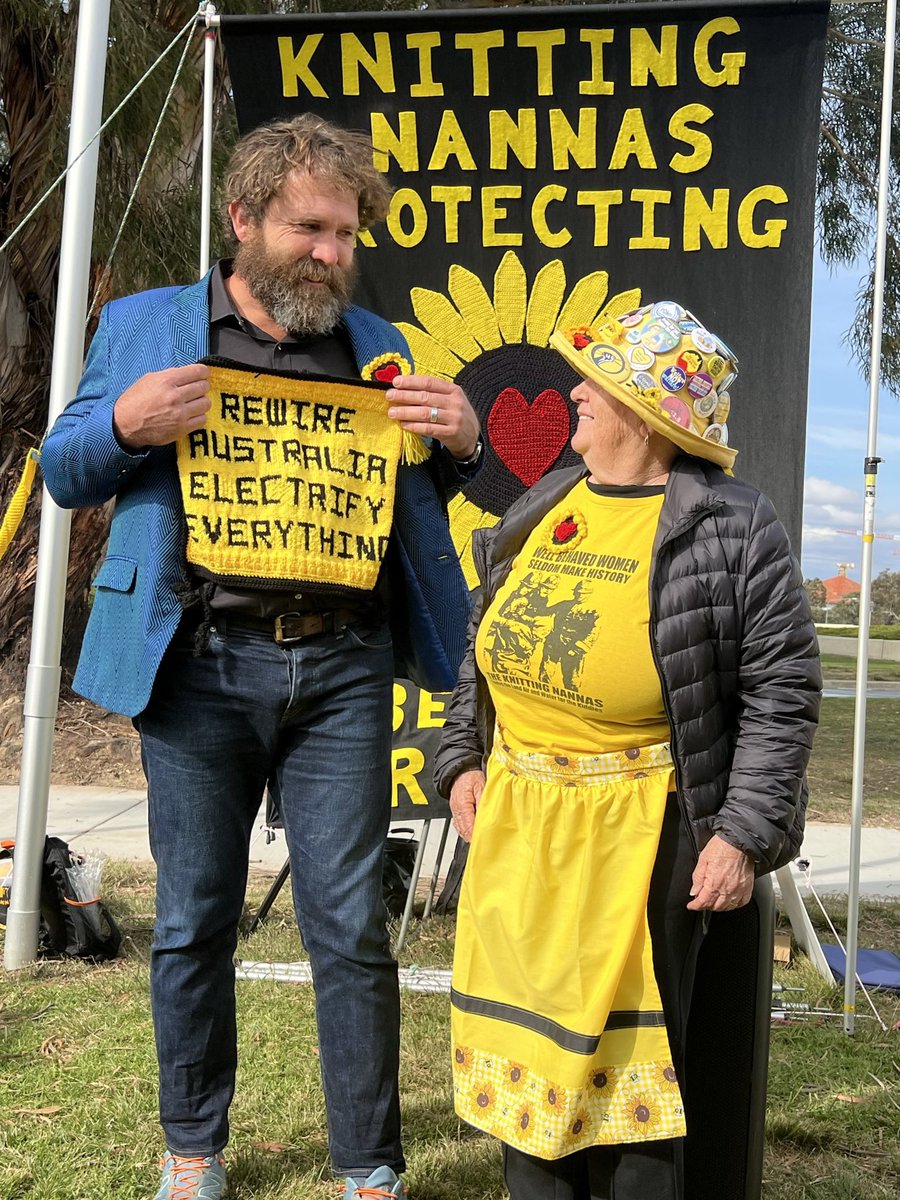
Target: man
[{"x": 233, "y": 687}]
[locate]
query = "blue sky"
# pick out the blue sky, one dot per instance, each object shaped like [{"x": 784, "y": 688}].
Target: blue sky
[{"x": 837, "y": 422}]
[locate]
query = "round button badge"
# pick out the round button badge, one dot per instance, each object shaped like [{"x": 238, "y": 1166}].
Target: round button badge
[
  {"x": 608, "y": 360},
  {"x": 668, "y": 308},
  {"x": 700, "y": 385},
  {"x": 644, "y": 381},
  {"x": 690, "y": 361},
  {"x": 634, "y": 336},
  {"x": 641, "y": 358},
  {"x": 705, "y": 406},
  {"x": 673, "y": 379},
  {"x": 715, "y": 433},
  {"x": 677, "y": 410},
  {"x": 633, "y": 318},
  {"x": 723, "y": 408},
  {"x": 661, "y": 336},
  {"x": 704, "y": 341}
]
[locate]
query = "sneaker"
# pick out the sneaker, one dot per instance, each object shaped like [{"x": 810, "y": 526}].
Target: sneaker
[
  {"x": 382, "y": 1184},
  {"x": 198, "y": 1178}
]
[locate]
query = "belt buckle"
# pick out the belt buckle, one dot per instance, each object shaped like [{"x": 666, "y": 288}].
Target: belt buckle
[{"x": 280, "y": 636}]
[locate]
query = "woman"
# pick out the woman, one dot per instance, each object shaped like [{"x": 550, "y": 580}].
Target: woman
[{"x": 632, "y": 726}]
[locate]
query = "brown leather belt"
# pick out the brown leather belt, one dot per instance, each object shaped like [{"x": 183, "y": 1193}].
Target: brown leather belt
[{"x": 287, "y": 627}]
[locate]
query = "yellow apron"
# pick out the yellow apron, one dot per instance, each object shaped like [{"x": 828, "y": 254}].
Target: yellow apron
[{"x": 559, "y": 1038}]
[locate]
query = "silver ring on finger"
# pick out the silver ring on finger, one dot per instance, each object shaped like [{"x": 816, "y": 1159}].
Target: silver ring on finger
[{"x": 433, "y": 416}]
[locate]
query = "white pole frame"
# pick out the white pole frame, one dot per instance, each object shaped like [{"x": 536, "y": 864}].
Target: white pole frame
[
  {"x": 871, "y": 471},
  {"x": 43, "y": 678},
  {"x": 210, "y": 16}
]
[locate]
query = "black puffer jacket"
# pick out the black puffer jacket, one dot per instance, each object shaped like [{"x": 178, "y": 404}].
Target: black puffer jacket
[{"x": 734, "y": 645}]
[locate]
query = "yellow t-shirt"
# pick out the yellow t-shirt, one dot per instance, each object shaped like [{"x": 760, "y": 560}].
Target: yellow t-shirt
[{"x": 565, "y": 643}]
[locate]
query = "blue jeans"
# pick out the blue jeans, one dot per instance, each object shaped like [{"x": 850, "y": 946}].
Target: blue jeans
[{"x": 313, "y": 717}]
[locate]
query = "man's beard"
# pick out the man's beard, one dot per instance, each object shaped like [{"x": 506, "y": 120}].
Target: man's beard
[{"x": 302, "y": 295}]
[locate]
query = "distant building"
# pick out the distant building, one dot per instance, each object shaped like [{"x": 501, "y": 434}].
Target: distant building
[{"x": 840, "y": 586}]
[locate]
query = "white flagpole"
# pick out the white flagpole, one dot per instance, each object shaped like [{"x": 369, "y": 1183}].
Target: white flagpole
[
  {"x": 871, "y": 471},
  {"x": 210, "y": 15},
  {"x": 42, "y": 683}
]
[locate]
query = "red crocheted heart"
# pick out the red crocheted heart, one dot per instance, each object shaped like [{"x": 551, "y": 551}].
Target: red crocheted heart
[
  {"x": 528, "y": 438},
  {"x": 565, "y": 529},
  {"x": 387, "y": 373}
]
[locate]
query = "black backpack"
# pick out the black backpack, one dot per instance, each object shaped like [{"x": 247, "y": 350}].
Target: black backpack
[
  {"x": 70, "y": 928},
  {"x": 399, "y": 863}
]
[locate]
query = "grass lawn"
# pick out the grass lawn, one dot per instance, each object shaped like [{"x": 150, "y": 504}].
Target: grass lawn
[
  {"x": 78, "y": 1096},
  {"x": 830, "y": 773},
  {"x": 839, "y": 668}
]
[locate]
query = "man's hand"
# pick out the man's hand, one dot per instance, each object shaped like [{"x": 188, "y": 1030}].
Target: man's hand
[
  {"x": 162, "y": 407},
  {"x": 464, "y": 797},
  {"x": 435, "y": 408},
  {"x": 723, "y": 878}
]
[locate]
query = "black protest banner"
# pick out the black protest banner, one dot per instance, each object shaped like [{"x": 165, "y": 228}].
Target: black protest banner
[
  {"x": 418, "y": 719},
  {"x": 556, "y": 164}
]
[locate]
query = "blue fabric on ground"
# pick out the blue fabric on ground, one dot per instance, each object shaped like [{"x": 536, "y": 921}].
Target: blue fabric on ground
[{"x": 876, "y": 968}]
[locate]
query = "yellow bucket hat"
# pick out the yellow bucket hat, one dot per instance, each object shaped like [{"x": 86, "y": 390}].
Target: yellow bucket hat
[{"x": 667, "y": 367}]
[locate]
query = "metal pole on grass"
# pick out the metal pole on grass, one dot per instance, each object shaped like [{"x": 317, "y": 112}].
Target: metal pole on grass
[
  {"x": 209, "y": 15},
  {"x": 871, "y": 472},
  {"x": 42, "y": 681}
]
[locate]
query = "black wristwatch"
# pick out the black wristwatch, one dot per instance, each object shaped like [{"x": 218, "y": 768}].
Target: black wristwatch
[{"x": 473, "y": 457}]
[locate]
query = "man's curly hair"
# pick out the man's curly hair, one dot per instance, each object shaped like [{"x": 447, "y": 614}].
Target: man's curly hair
[{"x": 263, "y": 159}]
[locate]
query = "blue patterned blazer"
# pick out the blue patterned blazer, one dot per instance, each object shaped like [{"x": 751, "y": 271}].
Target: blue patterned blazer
[{"x": 136, "y": 611}]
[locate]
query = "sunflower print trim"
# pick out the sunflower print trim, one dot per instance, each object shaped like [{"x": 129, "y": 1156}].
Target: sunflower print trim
[
  {"x": 583, "y": 770},
  {"x": 644, "y": 1111},
  {"x": 551, "y": 1119},
  {"x": 516, "y": 1076},
  {"x": 462, "y": 1058},
  {"x": 667, "y": 1080},
  {"x": 605, "y": 1081}
]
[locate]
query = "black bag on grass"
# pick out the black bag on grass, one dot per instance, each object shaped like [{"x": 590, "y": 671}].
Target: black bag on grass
[
  {"x": 399, "y": 861},
  {"x": 70, "y": 928},
  {"x": 448, "y": 901},
  {"x": 399, "y": 855}
]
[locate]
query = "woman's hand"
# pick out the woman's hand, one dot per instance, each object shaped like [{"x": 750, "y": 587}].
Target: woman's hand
[
  {"x": 464, "y": 797},
  {"x": 723, "y": 877}
]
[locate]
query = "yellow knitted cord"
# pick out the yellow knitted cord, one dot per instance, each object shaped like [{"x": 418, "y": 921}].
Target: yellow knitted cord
[
  {"x": 16, "y": 510},
  {"x": 413, "y": 449},
  {"x": 384, "y": 369}
]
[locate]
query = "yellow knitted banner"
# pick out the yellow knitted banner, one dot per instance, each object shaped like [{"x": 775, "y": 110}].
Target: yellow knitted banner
[
  {"x": 16, "y": 510},
  {"x": 290, "y": 481}
]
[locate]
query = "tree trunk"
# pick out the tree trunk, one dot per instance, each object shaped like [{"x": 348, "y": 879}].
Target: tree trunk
[{"x": 37, "y": 43}]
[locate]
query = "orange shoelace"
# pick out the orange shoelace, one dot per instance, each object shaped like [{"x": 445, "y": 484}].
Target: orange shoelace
[
  {"x": 184, "y": 1176},
  {"x": 365, "y": 1193}
]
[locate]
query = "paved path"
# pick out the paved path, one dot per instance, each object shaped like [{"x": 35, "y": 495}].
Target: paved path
[
  {"x": 841, "y": 691},
  {"x": 115, "y": 821}
]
